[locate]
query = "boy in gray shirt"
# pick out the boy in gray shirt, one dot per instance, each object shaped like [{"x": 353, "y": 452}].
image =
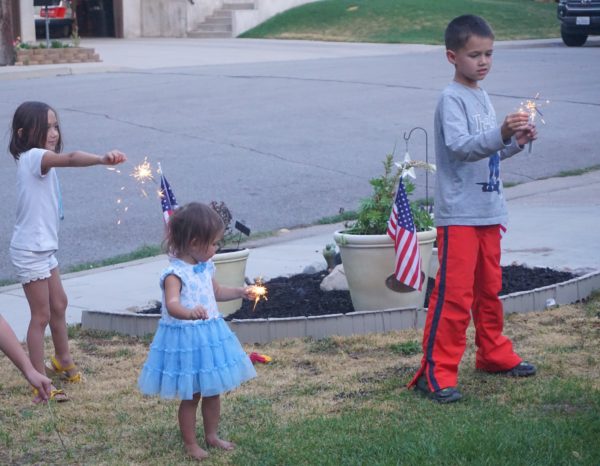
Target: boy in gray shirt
[{"x": 470, "y": 211}]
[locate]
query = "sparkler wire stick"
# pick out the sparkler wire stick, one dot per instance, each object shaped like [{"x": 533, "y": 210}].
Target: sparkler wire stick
[
  {"x": 55, "y": 425},
  {"x": 532, "y": 108}
]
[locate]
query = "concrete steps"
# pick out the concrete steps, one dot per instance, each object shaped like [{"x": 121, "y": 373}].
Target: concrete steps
[{"x": 219, "y": 24}]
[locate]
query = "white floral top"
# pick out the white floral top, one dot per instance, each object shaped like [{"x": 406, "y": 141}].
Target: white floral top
[{"x": 196, "y": 287}]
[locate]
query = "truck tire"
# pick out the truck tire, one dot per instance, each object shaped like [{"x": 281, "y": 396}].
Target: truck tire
[{"x": 572, "y": 39}]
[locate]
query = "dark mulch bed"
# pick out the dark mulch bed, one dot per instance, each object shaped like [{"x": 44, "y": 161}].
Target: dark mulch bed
[{"x": 300, "y": 295}]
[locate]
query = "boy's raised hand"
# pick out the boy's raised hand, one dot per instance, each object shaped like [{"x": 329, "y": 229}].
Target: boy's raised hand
[
  {"x": 113, "y": 157},
  {"x": 518, "y": 121},
  {"x": 527, "y": 135}
]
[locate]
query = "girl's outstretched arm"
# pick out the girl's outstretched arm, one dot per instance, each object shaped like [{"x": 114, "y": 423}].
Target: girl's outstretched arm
[
  {"x": 227, "y": 293},
  {"x": 11, "y": 347},
  {"x": 80, "y": 159}
]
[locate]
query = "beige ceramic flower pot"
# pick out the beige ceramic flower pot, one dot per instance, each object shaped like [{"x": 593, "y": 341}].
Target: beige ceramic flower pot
[
  {"x": 230, "y": 271},
  {"x": 368, "y": 262}
]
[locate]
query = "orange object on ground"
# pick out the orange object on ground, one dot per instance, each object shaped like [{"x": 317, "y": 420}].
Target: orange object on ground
[{"x": 262, "y": 358}]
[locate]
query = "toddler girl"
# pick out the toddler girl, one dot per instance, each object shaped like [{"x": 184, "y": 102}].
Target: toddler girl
[
  {"x": 194, "y": 354},
  {"x": 36, "y": 145}
]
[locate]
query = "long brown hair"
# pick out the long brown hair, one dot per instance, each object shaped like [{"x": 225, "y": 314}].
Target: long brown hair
[
  {"x": 31, "y": 118},
  {"x": 193, "y": 221}
]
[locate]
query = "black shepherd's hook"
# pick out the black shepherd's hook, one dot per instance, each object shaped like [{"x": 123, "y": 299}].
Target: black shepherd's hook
[{"x": 406, "y": 138}]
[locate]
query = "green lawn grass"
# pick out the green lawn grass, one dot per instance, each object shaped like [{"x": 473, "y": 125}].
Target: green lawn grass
[
  {"x": 407, "y": 21},
  {"x": 334, "y": 401}
]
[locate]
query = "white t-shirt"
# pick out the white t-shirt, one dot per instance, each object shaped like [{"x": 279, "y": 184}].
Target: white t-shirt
[{"x": 37, "y": 204}]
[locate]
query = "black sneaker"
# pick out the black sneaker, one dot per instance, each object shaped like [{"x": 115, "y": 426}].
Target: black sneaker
[
  {"x": 444, "y": 395},
  {"x": 523, "y": 369}
]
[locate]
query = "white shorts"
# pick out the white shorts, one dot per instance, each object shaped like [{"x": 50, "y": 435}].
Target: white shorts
[{"x": 33, "y": 265}]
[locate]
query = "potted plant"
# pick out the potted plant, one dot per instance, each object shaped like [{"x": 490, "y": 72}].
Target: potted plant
[
  {"x": 230, "y": 260},
  {"x": 368, "y": 254}
]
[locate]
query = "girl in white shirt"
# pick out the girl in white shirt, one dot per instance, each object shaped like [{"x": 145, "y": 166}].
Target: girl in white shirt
[{"x": 36, "y": 145}]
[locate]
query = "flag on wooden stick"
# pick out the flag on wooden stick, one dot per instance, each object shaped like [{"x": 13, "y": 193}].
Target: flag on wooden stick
[
  {"x": 401, "y": 228},
  {"x": 167, "y": 198}
]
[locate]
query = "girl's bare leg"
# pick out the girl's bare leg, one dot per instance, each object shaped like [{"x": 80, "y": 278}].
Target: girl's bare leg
[
  {"x": 38, "y": 297},
  {"x": 211, "y": 413},
  {"x": 187, "y": 425},
  {"x": 58, "y": 321},
  {"x": 37, "y": 294}
]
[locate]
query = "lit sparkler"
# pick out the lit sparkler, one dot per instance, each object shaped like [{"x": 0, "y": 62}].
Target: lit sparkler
[
  {"x": 143, "y": 172},
  {"x": 259, "y": 290},
  {"x": 532, "y": 107}
]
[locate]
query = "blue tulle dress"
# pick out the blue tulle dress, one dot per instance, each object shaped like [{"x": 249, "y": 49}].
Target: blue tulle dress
[{"x": 193, "y": 356}]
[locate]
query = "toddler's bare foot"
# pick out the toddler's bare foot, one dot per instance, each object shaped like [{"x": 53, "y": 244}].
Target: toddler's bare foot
[
  {"x": 219, "y": 443},
  {"x": 196, "y": 452}
]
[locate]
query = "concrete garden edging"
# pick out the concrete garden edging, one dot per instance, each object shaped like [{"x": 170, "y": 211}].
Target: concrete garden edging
[{"x": 354, "y": 323}]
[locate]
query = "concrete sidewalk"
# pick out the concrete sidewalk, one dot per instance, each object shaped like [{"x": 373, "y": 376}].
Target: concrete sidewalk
[
  {"x": 154, "y": 54},
  {"x": 157, "y": 53},
  {"x": 553, "y": 223}
]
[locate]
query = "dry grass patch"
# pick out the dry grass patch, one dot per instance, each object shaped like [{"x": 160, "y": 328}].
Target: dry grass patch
[{"x": 312, "y": 388}]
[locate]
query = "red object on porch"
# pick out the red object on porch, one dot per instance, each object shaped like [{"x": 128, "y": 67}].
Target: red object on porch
[{"x": 54, "y": 12}]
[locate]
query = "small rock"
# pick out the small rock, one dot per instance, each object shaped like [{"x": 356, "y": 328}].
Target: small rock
[
  {"x": 551, "y": 303},
  {"x": 336, "y": 280},
  {"x": 314, "y": 267}
]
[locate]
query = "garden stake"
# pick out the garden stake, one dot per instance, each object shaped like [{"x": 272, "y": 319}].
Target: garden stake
[{"x": 406, "y": 138}]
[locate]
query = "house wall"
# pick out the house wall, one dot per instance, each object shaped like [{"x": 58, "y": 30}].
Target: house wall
[
  {"x": 26, "y": 26},
  {"x": 164, "y": 18},
  {"x": 168, "y": 18},
  {"x": 132, "y": 20}
]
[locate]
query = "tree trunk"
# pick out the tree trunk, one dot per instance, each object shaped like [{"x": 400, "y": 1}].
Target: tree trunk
[{"x": 7, "y": 56}]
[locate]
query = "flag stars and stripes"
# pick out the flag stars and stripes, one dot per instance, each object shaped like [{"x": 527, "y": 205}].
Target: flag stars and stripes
[
  {"x": 401, "y": 229},
  {"x": 167, "y": 198}
]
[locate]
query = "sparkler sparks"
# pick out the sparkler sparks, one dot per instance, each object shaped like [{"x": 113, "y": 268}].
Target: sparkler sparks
[
  {"x": 532, "y": 107},
  {"x": 143, "y": 172},
  {"x": 259, "y": 290}
]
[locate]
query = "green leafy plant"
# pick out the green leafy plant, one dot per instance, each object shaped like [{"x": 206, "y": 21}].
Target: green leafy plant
[
  {"x": 374, "y": 210},
  {"x": 55, "y": 44}
]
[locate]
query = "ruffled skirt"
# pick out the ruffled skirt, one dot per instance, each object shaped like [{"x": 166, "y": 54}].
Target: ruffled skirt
[{"x": 201, "y": 357}]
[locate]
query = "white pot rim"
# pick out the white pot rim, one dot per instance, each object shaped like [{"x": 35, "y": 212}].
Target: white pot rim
[
  {"x": 342, "y": 238},
  {"x": 238, "y": 254}
]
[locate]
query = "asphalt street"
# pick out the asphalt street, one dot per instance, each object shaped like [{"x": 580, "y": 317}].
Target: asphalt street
[{"x": 284, "y": 138}]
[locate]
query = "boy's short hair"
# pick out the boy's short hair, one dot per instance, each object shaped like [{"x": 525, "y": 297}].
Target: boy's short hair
[{"x": 461, "y": 28}]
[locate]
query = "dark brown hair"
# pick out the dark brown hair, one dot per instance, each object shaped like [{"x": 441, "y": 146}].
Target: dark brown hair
[
  {"x": 32, "y": 119},
  {"x": 461, "y": 28},
  {"x": 193, "y": 221}
]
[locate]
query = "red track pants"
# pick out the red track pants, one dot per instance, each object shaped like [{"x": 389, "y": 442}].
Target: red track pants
[{"x": 468, "y": 282}]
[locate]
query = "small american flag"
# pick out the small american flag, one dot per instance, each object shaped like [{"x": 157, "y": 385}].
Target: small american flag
[
  {"x": 401, "y": 229},
  {"x": 167, "y": 198}
]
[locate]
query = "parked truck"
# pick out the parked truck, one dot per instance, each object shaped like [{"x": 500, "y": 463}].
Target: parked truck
[{"x": 578, "y": 19}]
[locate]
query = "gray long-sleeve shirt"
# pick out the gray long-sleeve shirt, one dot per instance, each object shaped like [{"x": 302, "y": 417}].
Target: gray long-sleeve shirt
[{"x": 468, "y": 150}]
